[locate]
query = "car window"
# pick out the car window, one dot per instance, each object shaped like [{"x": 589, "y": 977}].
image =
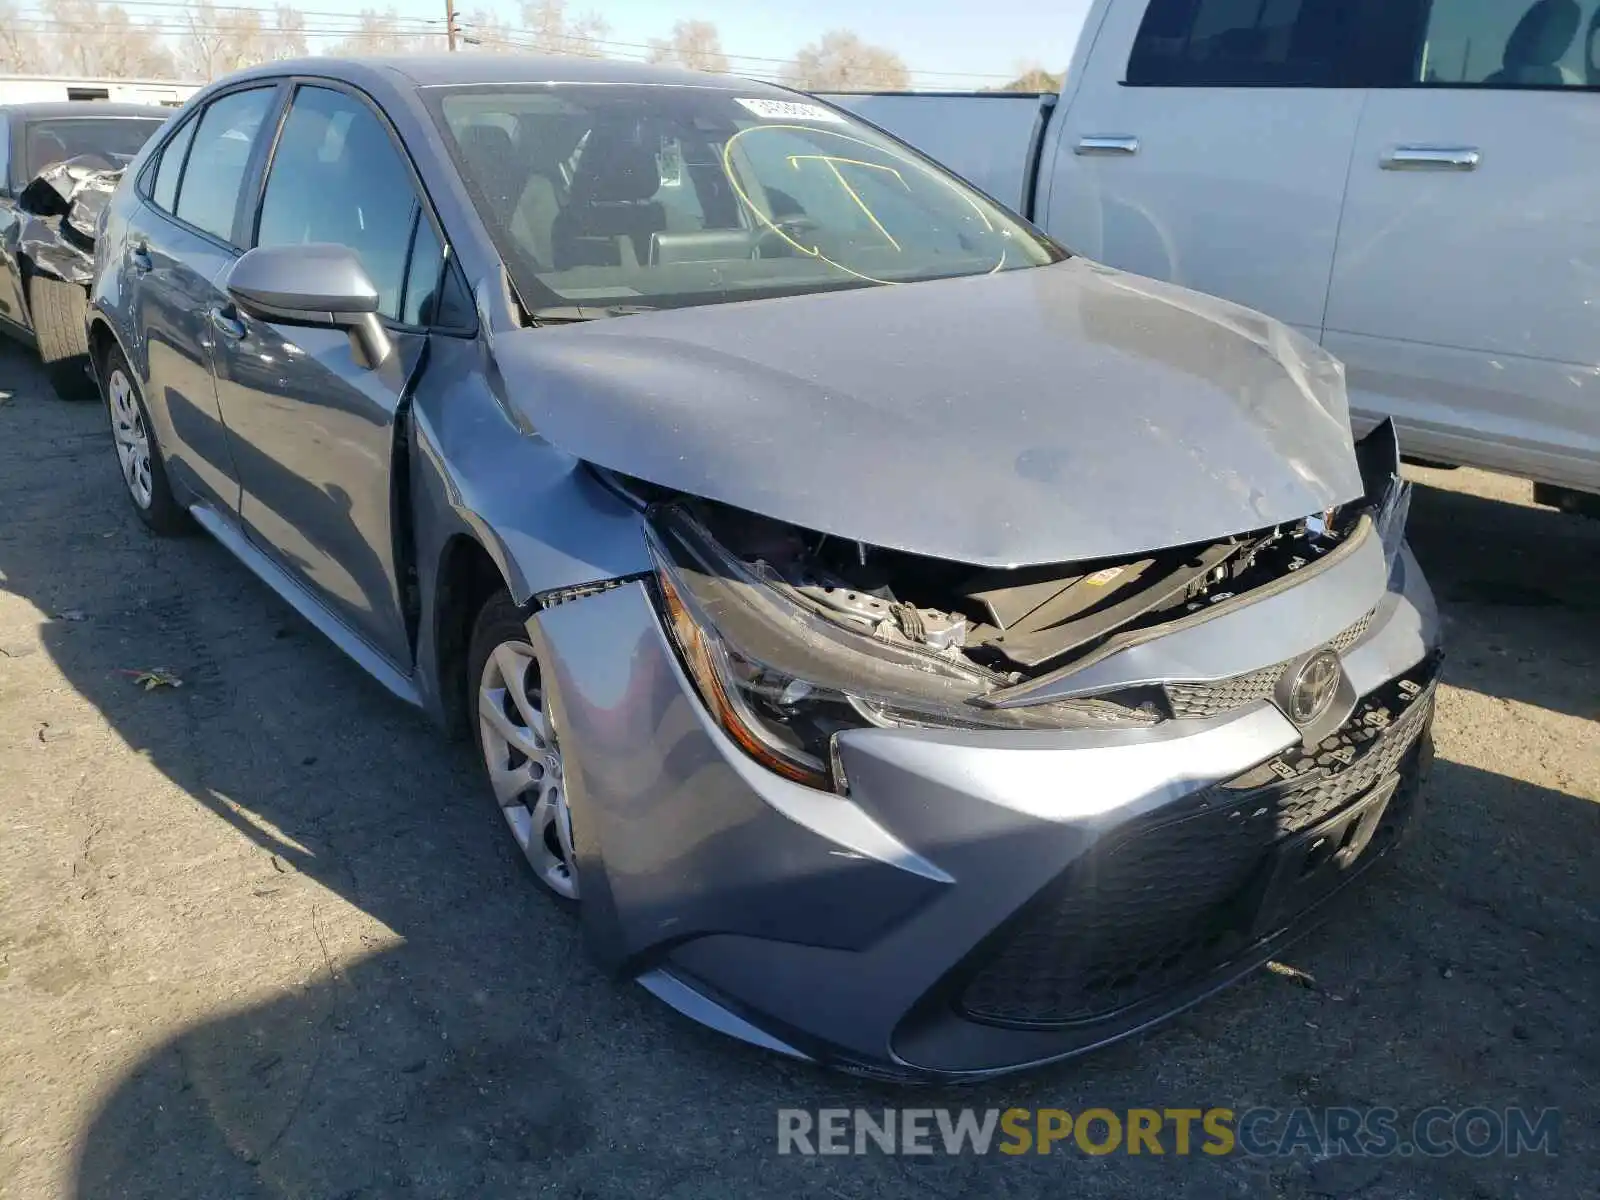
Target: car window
[
  {"x": 420, "y": 302},
  {"x": 1511, "y": 44},
  {"x": 679, "y": 195},
  {"x": 115, "y": 139},
  {"x": 170, "y": 166},
  {"x": 227, "y": 130},
  {"x": 1242, "y": 43},
  {"x": 5, "y": 153},
  {"x": 862, "y": 199},
  {"x": 338, "y": 177}
]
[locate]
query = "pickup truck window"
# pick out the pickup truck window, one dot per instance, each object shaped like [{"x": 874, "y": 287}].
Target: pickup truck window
[
  {"x": 1242, "y": 43},
  {"x": 665, "y": 196},
  {"x": 1511, "y": 44}
]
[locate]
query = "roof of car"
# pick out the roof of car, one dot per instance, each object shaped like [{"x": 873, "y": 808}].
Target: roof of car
[
  {"x": 433, "y": 70},
  {"x": 45, "y": 110}
]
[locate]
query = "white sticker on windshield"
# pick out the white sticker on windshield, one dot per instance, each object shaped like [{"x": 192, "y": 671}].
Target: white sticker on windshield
[{"x": 790, "y": 110}]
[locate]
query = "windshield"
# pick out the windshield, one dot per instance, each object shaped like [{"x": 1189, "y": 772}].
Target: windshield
[
  {"x": 117, "y": 139},
  {"x": 660, "y": 196}
]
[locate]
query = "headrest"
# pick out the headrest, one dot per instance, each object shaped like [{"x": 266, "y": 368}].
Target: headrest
[
  {"x": 486, "y": 143},
  {"x": 1543, "y": 35},
  {"x": 614, "y": 170}
]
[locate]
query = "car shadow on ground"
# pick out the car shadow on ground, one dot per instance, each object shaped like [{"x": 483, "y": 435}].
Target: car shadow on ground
[
  {"x": 475, "y": 1053},
  {"x": 1520, "y": 591}
]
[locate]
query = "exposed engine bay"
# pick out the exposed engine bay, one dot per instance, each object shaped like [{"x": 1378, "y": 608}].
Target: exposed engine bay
[
  {"x": 792, "y": 635},
  {"x": 1019, "y": 623}
]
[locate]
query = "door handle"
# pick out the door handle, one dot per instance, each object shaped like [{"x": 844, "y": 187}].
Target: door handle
[
  {"x": 139, "y": 259},
  {"x": 1432, "y": 158},
  {"x": 226, "y": 321},
  {"x": 1107, "y": 144}
]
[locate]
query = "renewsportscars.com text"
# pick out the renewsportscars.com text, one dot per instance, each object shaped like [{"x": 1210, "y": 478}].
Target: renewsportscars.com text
[{"x": 1436, "y": 1132}]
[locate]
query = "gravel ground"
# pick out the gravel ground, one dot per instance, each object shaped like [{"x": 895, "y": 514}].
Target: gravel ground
[{"x": 261, "y": 936}]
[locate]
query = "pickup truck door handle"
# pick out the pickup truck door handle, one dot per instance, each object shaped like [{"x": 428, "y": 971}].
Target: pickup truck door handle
[
  {"x": 1107, "y": 144},
  {"x": 227, "y": 321},
  {"x": 1432, "y": 158}
]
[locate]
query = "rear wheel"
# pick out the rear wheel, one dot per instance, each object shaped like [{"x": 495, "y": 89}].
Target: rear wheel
[
  {"x": 58, "y": 312},
  {"x": 520, "y": 751},
  {"x": 138, "y": 456}
]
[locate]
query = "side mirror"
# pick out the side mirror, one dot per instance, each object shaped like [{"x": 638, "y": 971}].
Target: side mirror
[{"x": 313, "y": 284}]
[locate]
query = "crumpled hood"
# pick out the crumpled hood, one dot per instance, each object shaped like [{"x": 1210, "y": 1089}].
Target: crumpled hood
[{"x": 1034, "y": 416}]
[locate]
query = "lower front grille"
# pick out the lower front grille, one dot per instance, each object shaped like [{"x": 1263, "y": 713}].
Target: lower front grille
[{"x": 1165, "y": 904}]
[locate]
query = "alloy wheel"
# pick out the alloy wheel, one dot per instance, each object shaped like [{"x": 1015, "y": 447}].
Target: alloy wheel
[
  {"x": 133, "y": 440},
  {"x": 524, "y": 761}
]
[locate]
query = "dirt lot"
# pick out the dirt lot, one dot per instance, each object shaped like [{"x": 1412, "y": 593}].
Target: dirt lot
[{"x": 260, "y": 935}]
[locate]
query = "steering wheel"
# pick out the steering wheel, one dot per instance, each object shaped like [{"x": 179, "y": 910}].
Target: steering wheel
[{"x": 775, "y": 241}]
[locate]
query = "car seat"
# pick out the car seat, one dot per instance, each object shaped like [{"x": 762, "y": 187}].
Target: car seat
[
  {"x": 1536, "y": 46},
  {"x": 612, "y": 214}
]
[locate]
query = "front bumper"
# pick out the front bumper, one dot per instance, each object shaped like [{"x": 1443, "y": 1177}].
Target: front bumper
[{"x": 980, "y": 901}]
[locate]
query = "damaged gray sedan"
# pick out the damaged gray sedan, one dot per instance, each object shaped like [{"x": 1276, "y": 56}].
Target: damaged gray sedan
[
  {"x": 906, "y": 646},
  {"x": 59, "y": 163}
]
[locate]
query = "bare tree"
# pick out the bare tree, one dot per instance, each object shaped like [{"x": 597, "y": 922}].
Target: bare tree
[
  {"x": 841, "y": 62},
  {"x": 1033, "y": 78},
  {"x": 212, "y": 43},
  {"x": 382, "y": 33},
  {"x": 547, "y": 29},
  {"x": 20, "y": 48},
  {"x": 695, "y": 45},
  {"x": 93, "y": 39},
  {"x": 487, "y": 31},
  {"x": 288, "y": 33}
]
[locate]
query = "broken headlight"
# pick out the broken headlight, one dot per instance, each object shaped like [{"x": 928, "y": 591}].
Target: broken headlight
[
  {"x": 1387, "y": 496},
  {"x": 781, "y": 680}
]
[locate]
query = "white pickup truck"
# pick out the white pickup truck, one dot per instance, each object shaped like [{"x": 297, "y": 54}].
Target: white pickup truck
[{"x": 1414, "y": 183}]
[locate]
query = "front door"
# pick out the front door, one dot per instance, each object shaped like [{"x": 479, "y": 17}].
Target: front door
[
  {"x": 1207, "y": 144},
  {"x": 312, "y": 429},
  {"x": 1465, "y": 298}
]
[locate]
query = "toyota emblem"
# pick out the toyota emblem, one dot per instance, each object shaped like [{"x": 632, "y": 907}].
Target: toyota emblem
[{"x": 1313, "y": 687}]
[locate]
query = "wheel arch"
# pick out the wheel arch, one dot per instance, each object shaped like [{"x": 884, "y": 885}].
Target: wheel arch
[
  {"x": 102, "y": 337},
  {"x": 465, "y": 577}
]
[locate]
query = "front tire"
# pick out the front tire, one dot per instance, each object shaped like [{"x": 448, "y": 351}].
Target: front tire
[
  {"x": 58, "y": 310},
  {"x": 520, "y": 752},
  {"x": 144, "y": 476}
]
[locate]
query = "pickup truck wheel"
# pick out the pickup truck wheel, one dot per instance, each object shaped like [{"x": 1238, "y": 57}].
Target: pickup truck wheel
[
  {"x": 521, "y": 754},
  {"x": 58, "y": 314},
  {"x": 138, "y": 455}
]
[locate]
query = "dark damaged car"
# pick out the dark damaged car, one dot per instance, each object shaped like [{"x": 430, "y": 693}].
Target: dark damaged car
[
  {"x": 909, "y": 647},
  {"x": 59, "y": 164}
]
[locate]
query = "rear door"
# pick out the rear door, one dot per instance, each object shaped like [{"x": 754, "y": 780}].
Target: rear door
[
  {"x": 1207, "y": 143},
  {"x": 312, "y": 429},
  {"x": 1466, "y": 291},
  {"x": 180, "y": 241}
]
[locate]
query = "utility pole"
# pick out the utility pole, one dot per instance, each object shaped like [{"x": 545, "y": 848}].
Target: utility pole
[{"x": 450, "y": 24}]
